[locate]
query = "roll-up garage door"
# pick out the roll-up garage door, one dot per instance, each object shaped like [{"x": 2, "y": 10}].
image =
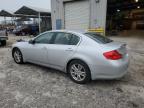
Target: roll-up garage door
[{"x": 77, "y": 15}]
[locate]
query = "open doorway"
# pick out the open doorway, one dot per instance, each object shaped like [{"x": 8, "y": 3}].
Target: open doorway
[{"x": 125, "y": 15}]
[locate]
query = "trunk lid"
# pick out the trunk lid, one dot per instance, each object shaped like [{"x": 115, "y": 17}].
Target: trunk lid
[{"x": 119, "y": 46}]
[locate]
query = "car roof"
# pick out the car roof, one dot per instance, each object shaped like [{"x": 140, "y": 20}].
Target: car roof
[{"x": 70, "y": 31}]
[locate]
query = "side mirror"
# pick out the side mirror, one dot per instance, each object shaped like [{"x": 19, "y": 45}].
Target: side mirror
[{"x": 31, "y": 42}]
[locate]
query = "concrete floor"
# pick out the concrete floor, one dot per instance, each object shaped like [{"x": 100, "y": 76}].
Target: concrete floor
[{"x": 32, "y": 86}]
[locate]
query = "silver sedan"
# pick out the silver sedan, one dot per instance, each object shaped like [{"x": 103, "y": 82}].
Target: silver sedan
[{"x": 84, "y": 56}]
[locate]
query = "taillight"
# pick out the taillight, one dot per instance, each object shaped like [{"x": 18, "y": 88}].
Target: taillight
[{"x": 113, "y": 55}]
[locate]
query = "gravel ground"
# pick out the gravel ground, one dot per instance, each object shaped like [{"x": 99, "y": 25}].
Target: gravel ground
[{"x": 32, "y": 86}]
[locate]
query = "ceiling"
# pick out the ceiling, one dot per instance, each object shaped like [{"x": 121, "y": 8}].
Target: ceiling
[{"x": 122, "y": 5}]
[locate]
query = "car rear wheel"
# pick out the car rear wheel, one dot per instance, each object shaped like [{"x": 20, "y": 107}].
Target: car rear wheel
[
  {"x": 79, "y": 72},
  {"x": 17, "y": 55}
]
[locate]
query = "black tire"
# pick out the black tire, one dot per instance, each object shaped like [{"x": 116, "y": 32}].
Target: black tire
[
  {"x": 3, "y": 43},
  {"x": 16, "y": 50},
  {"x": 87, "y": 73}
]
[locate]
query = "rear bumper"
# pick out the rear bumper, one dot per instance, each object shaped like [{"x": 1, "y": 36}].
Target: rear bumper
[{"x": 114, "y": 70}]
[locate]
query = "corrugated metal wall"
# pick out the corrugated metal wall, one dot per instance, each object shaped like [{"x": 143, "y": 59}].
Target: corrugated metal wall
[{"x": 76, "y": 15}]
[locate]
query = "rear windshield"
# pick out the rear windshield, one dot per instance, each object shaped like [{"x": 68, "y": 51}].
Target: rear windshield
[{"x": 98, "y": 38}]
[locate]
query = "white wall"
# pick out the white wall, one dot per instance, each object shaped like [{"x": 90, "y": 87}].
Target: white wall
[{"x": 98, "y": 13}]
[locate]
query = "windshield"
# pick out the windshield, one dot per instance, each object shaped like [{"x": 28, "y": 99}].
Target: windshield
[{"x": 98, "y": 38}]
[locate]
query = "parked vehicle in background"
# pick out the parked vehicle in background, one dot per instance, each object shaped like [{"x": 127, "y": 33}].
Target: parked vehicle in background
[
  {"x": 29, "y": 29},
  {"x": 84, "y": 56},
  {"x": 3, "y": 37},
  {"x": 3, "y": 40}
]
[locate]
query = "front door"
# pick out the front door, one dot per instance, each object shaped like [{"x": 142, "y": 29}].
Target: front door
[{"x": 37, "y": 52}]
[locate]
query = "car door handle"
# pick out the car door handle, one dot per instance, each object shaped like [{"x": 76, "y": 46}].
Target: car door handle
[{"x": 69, "y": 49}]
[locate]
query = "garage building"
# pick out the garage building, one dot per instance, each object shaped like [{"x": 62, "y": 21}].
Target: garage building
[
  {"x": 78, "y": 14},
  {"x": 108, "y": 15}
]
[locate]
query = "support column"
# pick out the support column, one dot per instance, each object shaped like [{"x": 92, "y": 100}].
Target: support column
[
  {"x": 5, "y": 20},
  {"x": 39, "y": 22}
]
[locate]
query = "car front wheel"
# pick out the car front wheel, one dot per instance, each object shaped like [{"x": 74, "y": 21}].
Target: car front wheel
[
  {"x": 79, "y": 72},
  {"x": 17, "y": 55}
]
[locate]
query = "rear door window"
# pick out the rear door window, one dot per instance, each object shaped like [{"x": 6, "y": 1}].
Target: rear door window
[
  {"x": 74, "y": 40},
  {"x": 66, "y": 39}
]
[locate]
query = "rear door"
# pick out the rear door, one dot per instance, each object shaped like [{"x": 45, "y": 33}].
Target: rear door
[{"x": 63, "y": 47}]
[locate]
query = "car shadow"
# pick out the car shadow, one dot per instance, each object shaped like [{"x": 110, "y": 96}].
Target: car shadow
[
  {"x": 99, "y": 82},
  {"x": 47, "y": 69}
]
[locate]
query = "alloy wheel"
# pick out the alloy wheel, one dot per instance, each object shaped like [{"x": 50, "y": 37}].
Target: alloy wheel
[
  {"x": 78, "y": 72},
  {"x": 17, "y": 56}
]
